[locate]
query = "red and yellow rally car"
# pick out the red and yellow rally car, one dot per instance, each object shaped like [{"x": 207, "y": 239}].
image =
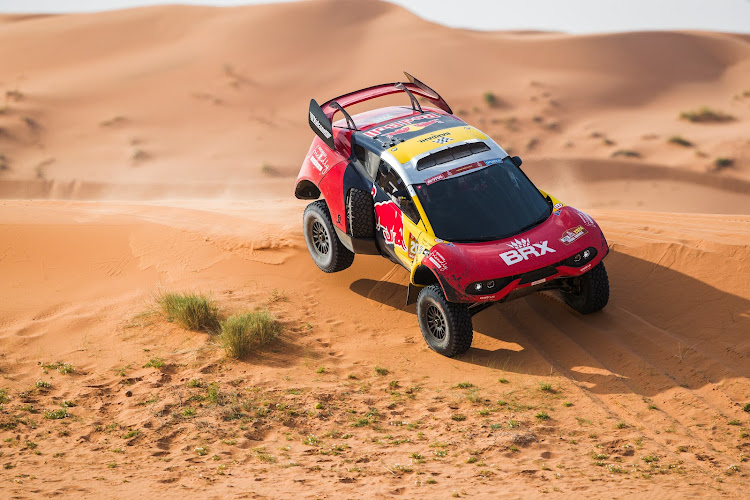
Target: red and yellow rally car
[{"x": 439, "y": 197}]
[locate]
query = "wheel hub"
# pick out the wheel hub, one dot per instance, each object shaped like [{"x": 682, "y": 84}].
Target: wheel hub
[
  {"x": 320, "y": 238},
  {"x": 436, "y": 322}
]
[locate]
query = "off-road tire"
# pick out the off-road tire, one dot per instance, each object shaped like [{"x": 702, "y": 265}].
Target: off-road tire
[
  {"x": 360, "y": 214},
  {"x": 438, "y": 316},
  {"x": 592, "y": 292},
  {"x": 325, "y": 248}
]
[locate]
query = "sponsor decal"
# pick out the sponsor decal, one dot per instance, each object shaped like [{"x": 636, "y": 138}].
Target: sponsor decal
[
  {"x": 523, "y": 250},
  {"x": 414, "y": 247},
  {"x": 319, "y": 159},
  {"x": 570, "y": 235},
  {"x": 434, "y": 178},
  {"x": 411, "y": 124},
  {"x": 494, "y": 161},
  {"x": 557, "y": 206},
  {"x": 486, "y": 297},
  {"x": 586, "y": 218},
  {"x": 438, "y": 137},
  {"x": 442, "y": 140},
  {"x": 538, "y": 282},
  {"x": 585, "y": 268},
  {"x": 454, "y": 171},
  {"x": 319, "y": 126},
  {"x": 389, "y": 221},
  {"x": 438, "y": 260}
]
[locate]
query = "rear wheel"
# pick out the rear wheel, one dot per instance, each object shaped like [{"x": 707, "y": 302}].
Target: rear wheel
[
  {"x": 590, "y": 292},
  {"x": 446, "y": 326},
  {"x": 360, "y": 212},
  {"x": 326, "y": 250}
]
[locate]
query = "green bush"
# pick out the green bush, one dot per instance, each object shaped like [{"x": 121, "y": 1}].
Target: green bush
[
  {"x": 490, "y": 99},
  {"x": 680, "y": 141},
  {"x": 627, "y": 153},
  {"x": 243, "y": 332},
  {"x": 720, "y": 163},
  {"x": 705, "y": 115},
  {"x": 192, "y": 311},
  {"x": 56, "y": 414}
]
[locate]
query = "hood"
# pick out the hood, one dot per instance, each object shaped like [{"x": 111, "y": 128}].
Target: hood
[{"x": 566, "y": 232}]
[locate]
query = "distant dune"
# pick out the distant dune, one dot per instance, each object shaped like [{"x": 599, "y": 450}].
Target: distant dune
[
  {"x": 128, "y": 90},
  {"x": 156, "y": 149}
]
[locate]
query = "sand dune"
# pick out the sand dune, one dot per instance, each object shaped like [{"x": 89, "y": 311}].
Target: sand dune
[
  {"x": 80, "y": 275},
  {"x": 155, "y": 149},
  {"x": 197, "y": 76}
]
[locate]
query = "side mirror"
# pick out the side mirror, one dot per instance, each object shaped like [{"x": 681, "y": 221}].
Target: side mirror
[{"x": 517, "y": 161}]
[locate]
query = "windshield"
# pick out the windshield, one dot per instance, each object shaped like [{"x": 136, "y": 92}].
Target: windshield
[{"x": 491, "y": 203}]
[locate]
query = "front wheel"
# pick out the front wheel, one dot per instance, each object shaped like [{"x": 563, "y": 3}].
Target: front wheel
[
  {"x": 590, "y": 292},
  {"x": 326, "y": 250},
  {"x": 446, "y": 326}
]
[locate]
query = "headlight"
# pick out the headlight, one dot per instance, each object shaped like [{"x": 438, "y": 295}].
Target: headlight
[
  {"x": 580, "y": 259},
  {"x": 489, "y": 286}
]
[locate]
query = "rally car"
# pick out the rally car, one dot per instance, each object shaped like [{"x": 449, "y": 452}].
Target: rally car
[{"x": 437, "y": 196}]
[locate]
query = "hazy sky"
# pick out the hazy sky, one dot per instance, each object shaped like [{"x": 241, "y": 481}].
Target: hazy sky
[{"x": 575, "y": 16}]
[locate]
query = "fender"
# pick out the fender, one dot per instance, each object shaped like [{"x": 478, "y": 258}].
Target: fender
[
  {"x": 323, "y": 169},
  {"x": 436, "y": 262}
]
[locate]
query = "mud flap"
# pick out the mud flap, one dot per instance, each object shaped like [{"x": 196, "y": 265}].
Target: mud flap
[{"x": 412, "y": 293}]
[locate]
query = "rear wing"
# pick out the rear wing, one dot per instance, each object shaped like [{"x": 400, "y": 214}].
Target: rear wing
[{"x": 321, "y": 116}]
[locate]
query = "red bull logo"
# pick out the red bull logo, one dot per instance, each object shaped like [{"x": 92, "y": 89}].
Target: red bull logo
[
  {"x": 389, "y": 223},
  {"x": 412, "y": 124}
]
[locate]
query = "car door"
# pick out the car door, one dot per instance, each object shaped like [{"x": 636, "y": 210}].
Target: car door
[{"x": 396, "y": 216}]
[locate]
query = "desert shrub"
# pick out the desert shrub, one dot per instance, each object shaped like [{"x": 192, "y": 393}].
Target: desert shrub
[
  {"x": 190, "y": 310},
  {"x": 490, "y": 99},
  {"x": 705, "y": 115},
  {"x": 242, "y": 332},
  {"x": 270, "y": 170},
  {"x": 720, "y": 163},
  {"x": 680, "y": 141},
  {"x": 626, "y": 153},
  {"x": 157, "y": 363},
  {"x": 56, "y": 414}
]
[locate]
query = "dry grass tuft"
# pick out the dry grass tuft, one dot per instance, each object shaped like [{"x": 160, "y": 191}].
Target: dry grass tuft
[
  {"x": 190, "y": 310},
  {"x": 706, "y": 115},
  {"x": 243, "y": 332},
  {"x": 680, "y": 141}
]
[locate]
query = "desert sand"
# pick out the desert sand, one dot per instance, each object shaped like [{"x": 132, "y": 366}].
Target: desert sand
[{"x": 156, "y": 149}]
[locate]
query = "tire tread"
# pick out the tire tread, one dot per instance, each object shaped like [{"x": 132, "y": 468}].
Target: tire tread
[
  {"x": 459, "y": 320},
  {"x": 598, "y": 294},
  {"x": 360, "y": 214}
]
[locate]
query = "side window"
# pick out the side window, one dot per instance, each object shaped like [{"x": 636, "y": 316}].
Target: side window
[
  {"x": 393, "y": 186},
  {"x": 367, "y": 158},
  {"x": 359, "y": 153},
  {"x": 371, "y": 164}
]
